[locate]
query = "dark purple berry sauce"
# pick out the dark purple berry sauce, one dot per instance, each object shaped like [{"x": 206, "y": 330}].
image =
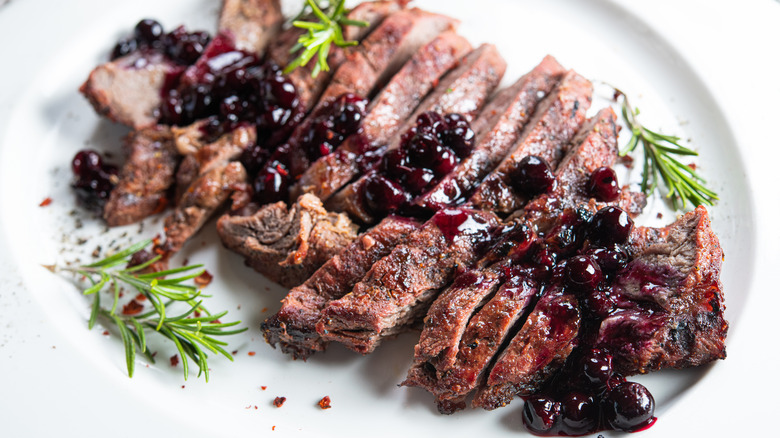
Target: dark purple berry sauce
[
  {"x": 94, "y": 179},
  {"x": 180, "y": 46},
  {"x": 324, "y": 131},
  {"x": 533, "y": 176},
  {"x": 603, "y": 184},
  {"x": 428, "y": 152}
]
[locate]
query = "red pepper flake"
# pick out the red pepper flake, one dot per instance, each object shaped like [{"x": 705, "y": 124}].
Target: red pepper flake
[
  {"x": 174, "y": 360},
  {"x": 255, "y": 407},
  {"x": 263, "y": 388},
  {"x": 235, "y": 352},
  {"x": 273, "y": 427},
  {"x": 279, "y": 401},
  {"x": 106, "y": 333},
  {"x": 140, "y": 297},
  {"x": 265, "y": 309},
  {"x": 203, "y": 279},
  {"x": 185, "y": 262},
  {"x": 132, "y": 308},
  {"x": 46, "y": 202},
  {"x": 182, "y": 386},
  {"x": 325, "y": 402},
  {"x": 659, "y": 216},
  {"x": 251, "y": 353},
  {"x": 692, "y": 166},
  {"x": 248, "y": 407},
  {"x": 197, "y": 314}
]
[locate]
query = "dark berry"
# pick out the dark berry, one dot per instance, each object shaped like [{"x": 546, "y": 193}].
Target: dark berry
[
  {"x": 629, "y": 407},
  {"x": 418, "y": 179},
  {"x": 282, "y": 90},
  {"x": 445, "y": 162},
  {"x": 394, "y": 163},
  {"x": 423, "y": 149},
  {"x": 603, "y": 185},
  {"x": 601, "y": 302},
  {"x": 610, "y": 259},
  {"x": 272, "y": 184},
  {"x": 610, "y": 225},
  {"x": 533, "y": 176},
  {"x": 597, "y": 367},
  {"x": 383, "y": 196},
  {"x": 94, "y": 179},
  {"x": 583, "y": 273},
  {"x": 148, "y": 31},
  {"x": 541, "y": 414},
  {"x": 430, "y": 122},
  {"x": 350, "y": 112},
  {"x": 579, "y": 414},
  {"x": 124, "y": 47},
  {"x": 85, "y": 162},
  {"x": 459, "y": 136}
]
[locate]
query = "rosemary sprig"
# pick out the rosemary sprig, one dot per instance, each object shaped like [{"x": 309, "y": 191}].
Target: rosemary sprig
[
  {"x": 193, "y": 336},
  {"x": 320, "y": 35},
  {"x": 682, "y": 182}
]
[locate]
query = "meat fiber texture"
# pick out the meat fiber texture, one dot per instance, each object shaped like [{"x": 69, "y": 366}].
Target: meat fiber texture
[
  {"x": 287, "y": 244},
  {"x": 251, "y": 23},
  {"x": 146, "y": 177},
  {"x": 293, "y": 328}
]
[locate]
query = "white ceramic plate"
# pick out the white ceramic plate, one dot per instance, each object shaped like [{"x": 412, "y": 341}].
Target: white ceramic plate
[{"x": 56, "y": 375}]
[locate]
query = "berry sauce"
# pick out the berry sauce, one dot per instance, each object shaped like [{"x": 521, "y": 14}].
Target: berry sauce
[
  {"x": 179, "y": 46},
  {"x": 324, "y": 131},
  {"x": 579, "y": 257},
  {"x": 94, "y": 179},
  {"x": 427, "y": 152}
]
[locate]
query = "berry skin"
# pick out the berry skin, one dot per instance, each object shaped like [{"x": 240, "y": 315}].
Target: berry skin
[
  {"x": 629, "y": 407},
  {"x": 603, "y": 185},
  {"x": 533, "y": 176},
  {"x": 583, "y": 273},
  {"x": 610, "y": 225}
]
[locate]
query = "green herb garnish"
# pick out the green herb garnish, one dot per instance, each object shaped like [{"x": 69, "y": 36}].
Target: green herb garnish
[
  {"x": 192, "y": 335},
  {"x": 682, "y": 183},
  {"x": 321, "y": 34}
]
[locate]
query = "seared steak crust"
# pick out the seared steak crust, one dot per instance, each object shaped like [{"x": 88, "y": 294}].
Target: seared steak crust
[
  {"x": 397, "y": 290},
  {"x": 293, "y": 328},
  {"x": 145, "y": 179},
  {"x": 552, "y": 127},
  {"x": 251, "y": 23},
  {"x": 287, "y": 245}
]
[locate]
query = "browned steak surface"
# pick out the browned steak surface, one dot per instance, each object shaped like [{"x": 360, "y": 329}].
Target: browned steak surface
[
  {"x": 128, "y": 89},
  {"x": 211, "y": 176},
  {"x": 287, "y": 244},
  {"x": 463, "y": 90},
  {"x": 397, "y": 290},
  {"x": 498, "y": 127},
  {"x": 386, "y": 114},
  {"x": 293, "y": 328},
  {"x": 538, "y": 350},
  {"x": 677, "y": 270},
  {"x": 251, "y": 23},
  {"x": 145, "y": 179},
  {"x": 553, "y": 125}
]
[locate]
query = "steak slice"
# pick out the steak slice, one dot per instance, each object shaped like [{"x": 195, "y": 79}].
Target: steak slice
[
  {"x": 293, "y": 328},
  {"x": 552, "y": 127},
  {"x": 397, "y": 290},
  {"x": 501, "y": 123},
  {"x": 676, "y": 268},
  {"x": 251, "y": 23},
  {"x": 128, "y": 90},
  {"x": 287, "y": 245},
  {"x": 538, "y": 350},
  {"x": 145, "y": 179},
  {"x": 386, "y": 115},
  {"x": 464, "y": 90},
  {"x": 216, "y": 178},
  {"x": 379, "y": 56}
]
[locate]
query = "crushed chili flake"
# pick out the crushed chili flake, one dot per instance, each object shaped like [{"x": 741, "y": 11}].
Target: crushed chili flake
[
  {"x": 265, "y": 309},
  {"x": 45, "y": 202},
  {"x": 279, "y": 401},
  {"x": 325, "y": 402},
  {"x": 234, "y": 352},
  {"x": 659, "y": 215},
  {"x": 692, "y": 166},
  {"x": 182, "y": 386},
  {"x": 263, "y": 388},
  {"x": 273, "y": 427},
  {"x": 140, "y": 297},
  {"x": 197, "y": 314},
  {"x": 174, "y": 360},
  {"x": 185, "y": 262},
  {"x": 203, "y": 279},
  {"x": 251, "y": 353},
  {"x": 105, "y": 333},
  {"x": 132, "y": 308}
]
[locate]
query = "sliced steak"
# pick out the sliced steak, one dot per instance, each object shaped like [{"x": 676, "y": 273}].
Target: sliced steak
[
  {"x": 293, "y": 328},
  {"x": 386, "y": 115},
  {"x": 145, "y": 179},
  {"x": 552, "y": 127},
  {"x": 464, "y": 91},
  {"x": 500, "y": 126},
  {"x": 128, "y": 90},
  {"x": 538, "y": 350},
  {"x": 287, "y": 245},
  {"x": 397, "y": 290},
  {"x": 214, "y": 177},
  {"x": 310, "y": 87},
  {"x": 676, "y": 268},
  {"x": 251, "y": 23},
  {"x": 379, "y": 56}
]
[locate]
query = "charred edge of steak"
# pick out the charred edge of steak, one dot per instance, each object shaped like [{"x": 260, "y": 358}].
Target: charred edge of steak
[{"x": 294, "y": 326}]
